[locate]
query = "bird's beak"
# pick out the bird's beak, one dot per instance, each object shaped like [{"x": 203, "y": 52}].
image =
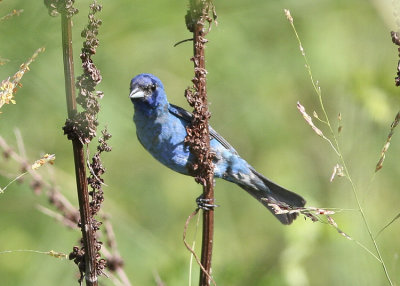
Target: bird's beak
[{"x": 136, "y": 93}]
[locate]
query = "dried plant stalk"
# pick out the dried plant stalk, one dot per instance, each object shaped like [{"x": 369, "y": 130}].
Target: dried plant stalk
[{"x": 198, "y": 136}]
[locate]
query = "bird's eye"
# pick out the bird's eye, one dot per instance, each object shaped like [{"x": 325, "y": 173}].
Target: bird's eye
[{"x": 148, "y": 88}]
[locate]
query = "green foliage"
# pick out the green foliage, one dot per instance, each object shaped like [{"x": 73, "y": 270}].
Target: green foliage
[{"x": 256, "y": 76}]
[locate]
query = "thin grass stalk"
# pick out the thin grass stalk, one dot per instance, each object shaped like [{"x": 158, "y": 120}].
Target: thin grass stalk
[
  {"x": 347, "y": 174},
  {"x": 338, "y": 151}
]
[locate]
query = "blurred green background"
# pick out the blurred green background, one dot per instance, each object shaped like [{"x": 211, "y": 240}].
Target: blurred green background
[{"x": 256, "y": 76}]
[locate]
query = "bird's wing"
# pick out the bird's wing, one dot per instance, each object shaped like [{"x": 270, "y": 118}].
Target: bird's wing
[
  {"x": 187, "y": 116},
  {"x": 180, "y": 112}
]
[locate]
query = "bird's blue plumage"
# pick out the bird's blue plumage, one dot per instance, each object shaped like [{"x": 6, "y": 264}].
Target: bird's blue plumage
[{"x": 161, "y": 129}]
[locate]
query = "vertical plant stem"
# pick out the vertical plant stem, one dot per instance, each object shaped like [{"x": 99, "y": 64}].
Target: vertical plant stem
[
  {"x": 207, "y": 241},
  {"x": 79, "y": 157},
  {"x": 208, "y": 188},
  {"x": 68, "y": 64},
  {"x": 198, "y": 132}
]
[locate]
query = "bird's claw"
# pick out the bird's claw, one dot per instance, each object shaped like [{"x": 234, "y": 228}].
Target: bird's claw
[{"x": 204, "y": 204}]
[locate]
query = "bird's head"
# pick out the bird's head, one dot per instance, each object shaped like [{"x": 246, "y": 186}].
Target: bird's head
[{"x": 147, "y": 89}]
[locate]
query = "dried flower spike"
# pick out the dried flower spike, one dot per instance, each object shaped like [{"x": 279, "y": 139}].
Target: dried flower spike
[
  {"x": 57, "y": 254},
  {"x": 337, "y": 171},
  {"x": 309, "y": 120},
  {"x": 315, "y": 128},
  {"x": 334, "y": 224},
  {"x": 288, "y": 16},
  {"x": 10, "y": 86},
  {"x": 11, "y": 14},
  {"x": 379, "y": 165},
  {"x": 340, "y": 127},
  {"x": 45, "y": 159},
  {"x": 310, "y": 212}
]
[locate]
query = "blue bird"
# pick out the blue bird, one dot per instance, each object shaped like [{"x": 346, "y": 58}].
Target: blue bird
[{"x": 160, "y": 128}]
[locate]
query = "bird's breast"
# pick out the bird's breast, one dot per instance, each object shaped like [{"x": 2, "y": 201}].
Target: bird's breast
[{"x": 163, "y": 137}]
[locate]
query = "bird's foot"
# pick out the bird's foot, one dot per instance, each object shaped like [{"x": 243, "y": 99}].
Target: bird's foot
[{"x": 205, "y": 204}]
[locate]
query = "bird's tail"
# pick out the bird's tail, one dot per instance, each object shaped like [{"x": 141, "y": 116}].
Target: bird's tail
[{"x": 274, "y": 194}]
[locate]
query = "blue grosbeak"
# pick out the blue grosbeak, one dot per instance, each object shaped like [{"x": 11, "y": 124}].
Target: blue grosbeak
[{"x": 161, "y": 129}]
